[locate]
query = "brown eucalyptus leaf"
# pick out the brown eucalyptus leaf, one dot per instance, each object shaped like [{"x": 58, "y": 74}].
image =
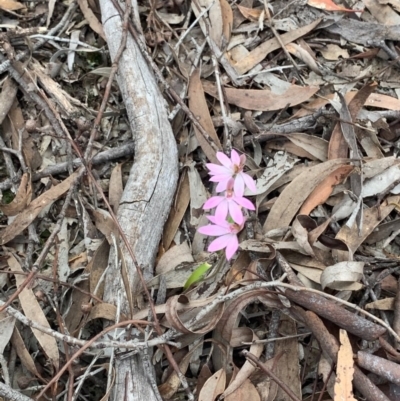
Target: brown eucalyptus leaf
[
  {"x": 294, "y": 195},
  {"x": 91, "y": 18},
  {"x": 261, "y": 51},
  {"x": 198, "y": 106},
  {"x": 263, "y": 99},
  {"x": 178, "y": 209},
  {"x": 22, "y": 197},
  {"x": 24, "y": 218},
  {"x": 214, "y": 386},
  {"x": 344, "y": 369},
  {"x": 248, "y": 368},
  {"x": 34, "y": 312},
  {"x": 115, "y": 187}
]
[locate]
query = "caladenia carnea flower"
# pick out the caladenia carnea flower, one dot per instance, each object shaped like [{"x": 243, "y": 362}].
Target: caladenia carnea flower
[
  {"x": 228, "y": 220},
  {"x": 226, "y": 233},
  {"x": 231, "y": 203},
  {"x": 231, "y": 168}
]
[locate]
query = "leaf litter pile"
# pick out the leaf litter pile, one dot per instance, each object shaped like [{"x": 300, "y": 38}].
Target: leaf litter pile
[{"x": 308, "y": 308}]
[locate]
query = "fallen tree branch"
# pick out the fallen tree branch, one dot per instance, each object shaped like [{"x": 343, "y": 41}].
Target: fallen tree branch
[{"x": 148, "y": 194}]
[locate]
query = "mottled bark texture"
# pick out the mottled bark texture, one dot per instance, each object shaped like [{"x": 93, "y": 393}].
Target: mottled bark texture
[{"x": 148, "y": 194}]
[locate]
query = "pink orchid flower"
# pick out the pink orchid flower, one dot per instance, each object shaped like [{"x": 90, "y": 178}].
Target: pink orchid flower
[
  {"x": 231, "y": 168},
  {"x": 227, "y": 233},
  {"x": 230, "y": 202}
]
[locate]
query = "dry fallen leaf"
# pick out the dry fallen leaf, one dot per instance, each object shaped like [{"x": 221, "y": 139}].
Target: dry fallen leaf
[
  {"x": 10, "y": 5},
  {"x": 34, "y": 312},
  {"x": 115, "y": 187},
  {"x": 343, "y": 276},
  {"x": 261, "y": 51},
  {"x": 26, "y": 217},
  {"x": 178, "y": 209},
  {"x": 214, "y": 386},
  {"x": 294, "y": 195},
  {"x": 329, "y": 5},
  {"x": 344, "y": 370},
  {"x": 198, "y": 106},
  {"x": 263, "y": 100},
  {"x": 91, "y": 18},
  {"x": 22, "y": 197}
]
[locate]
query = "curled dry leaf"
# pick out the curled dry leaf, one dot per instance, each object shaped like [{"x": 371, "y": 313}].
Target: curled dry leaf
[
  {"x": 229, "y": 319},
  {"x": 173, "y": 319},
  {"x": 22, "y": 197},
  {"x": 343, "y": 276}
]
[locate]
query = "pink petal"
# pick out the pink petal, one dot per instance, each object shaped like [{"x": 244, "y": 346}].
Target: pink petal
[
  {"x": 235, "y": 157},
  {"x": 220, "y": 243},
  {"x": 250, "y": 183},
  {"x": 219, "y": 222},
  {"x": 213, "y": 230},
  {"x": 231, "y": 247},
  {"x": 224, "y": 159},
  {"x": 222, "y": 211},
  {"x": 222, "y": 186},
  {"x": 221, "y": 177},
  {"x": 217, "y": 169},
  {"x": 244, "y": 202},
  {"x": 242, "y": 159},
  {"x": 213, "y": 202},
  {"x": 236, "y": 213},
  {"x": 239, "y": 186}
]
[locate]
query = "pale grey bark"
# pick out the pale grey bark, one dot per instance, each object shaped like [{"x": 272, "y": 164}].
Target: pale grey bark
[{"x": 148, "y": 194}]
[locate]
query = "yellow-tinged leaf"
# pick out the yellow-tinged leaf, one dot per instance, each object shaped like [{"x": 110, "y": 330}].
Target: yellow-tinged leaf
[
  {"x": 344, "y": 370},
  {"x": 252, "y": 14},
  {"x": 329, "y": 5},
  {"x": 10, "y": 5}
]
